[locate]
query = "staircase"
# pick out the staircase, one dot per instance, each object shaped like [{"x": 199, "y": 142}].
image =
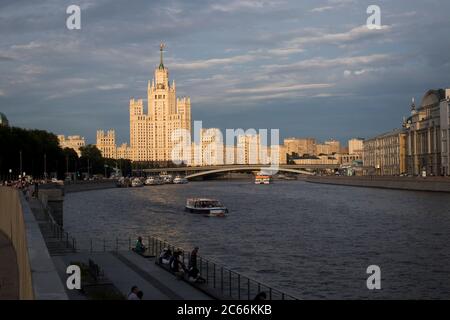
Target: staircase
[{"x": 57, "y": 241}]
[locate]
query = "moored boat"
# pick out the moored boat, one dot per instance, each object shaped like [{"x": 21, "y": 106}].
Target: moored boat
[
  {"x": 167, "y": 178},
  {"x": 180, "y": 180},
  {"x": 151, "y": 181},
  {"x": 136, "y": 182}
]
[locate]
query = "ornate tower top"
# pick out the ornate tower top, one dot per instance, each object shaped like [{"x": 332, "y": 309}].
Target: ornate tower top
[
  {"x": 161, "y": 49},
  {"x": 413, "y": 106}
]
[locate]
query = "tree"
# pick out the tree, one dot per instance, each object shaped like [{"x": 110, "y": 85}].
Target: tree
[
  {"x": 30, "y": 151},
  {"x": 91, "y": 160},
  {"x": 71, "y": 159}
]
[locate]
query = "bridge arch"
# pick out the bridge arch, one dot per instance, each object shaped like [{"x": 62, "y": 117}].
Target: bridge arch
[{"x": 248, "y": 168}]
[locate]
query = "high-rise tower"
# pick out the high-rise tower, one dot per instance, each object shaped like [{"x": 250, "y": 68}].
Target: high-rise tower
[{"x": 151, "y": 133}]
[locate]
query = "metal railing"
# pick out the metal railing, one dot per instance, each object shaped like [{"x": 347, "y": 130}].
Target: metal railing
[
  {"x": 220, "y": 282},
  {"x": 68, "y": 242}
]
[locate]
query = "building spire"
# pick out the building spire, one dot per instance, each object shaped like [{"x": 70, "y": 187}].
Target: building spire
[
  {"x": 161, "y": 49},
  {"x": 413, "y": 106}
]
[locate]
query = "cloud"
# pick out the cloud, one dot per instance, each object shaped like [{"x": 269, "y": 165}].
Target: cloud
[
  {"x": 355, "y": 34},
  {"x": 208, "y": 63},
  {"x": 321, "y": 9},
  {"x": 111, "y": 87},
  {"x": 285, "y": 88},
  {"x": 238, "y": 5},
  {"x": 323, "y": 63},
  {"x": 6, "y": 58},
  {"x": 2, "y": 93}
]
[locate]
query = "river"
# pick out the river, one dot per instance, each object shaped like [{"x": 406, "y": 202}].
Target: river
[{"x": 314, "y": 241}]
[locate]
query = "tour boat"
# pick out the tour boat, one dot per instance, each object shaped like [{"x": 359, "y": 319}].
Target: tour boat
[
  {"x": 208, "y": 207},
  {"x": 136, "y": 182},
  {"x": 180, "y": 180},
  {"x": 263, "y": 179}
]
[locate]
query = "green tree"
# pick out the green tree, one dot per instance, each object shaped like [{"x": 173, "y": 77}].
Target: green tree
[{"x": 91, "y": 160}]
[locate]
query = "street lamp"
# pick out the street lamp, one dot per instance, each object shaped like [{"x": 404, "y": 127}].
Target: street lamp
[
  {"x": 45, "y": 166},
  {"x": 10, "y": 174},
  {"x": 20, "y": 165}
]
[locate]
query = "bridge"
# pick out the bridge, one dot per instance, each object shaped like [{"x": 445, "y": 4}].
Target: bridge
[{"x": 194, "y": 172}]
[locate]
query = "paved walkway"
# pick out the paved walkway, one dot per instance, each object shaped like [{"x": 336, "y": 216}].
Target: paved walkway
[{"x": 126, "y": 269}]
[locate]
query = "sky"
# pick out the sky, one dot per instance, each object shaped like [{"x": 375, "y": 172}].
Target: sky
[{"x": 308, "y": 68}]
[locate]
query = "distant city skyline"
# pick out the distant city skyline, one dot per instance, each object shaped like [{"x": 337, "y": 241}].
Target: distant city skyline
[{"x": 311, "y": 69}]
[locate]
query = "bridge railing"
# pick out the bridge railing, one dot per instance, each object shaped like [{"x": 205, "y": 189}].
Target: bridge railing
[{"x": 221, "y": 281}]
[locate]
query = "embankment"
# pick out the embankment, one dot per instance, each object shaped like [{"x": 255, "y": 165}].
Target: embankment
[
  {"x": 89, "y": 185},
  {"x": 435, "y": 184}
]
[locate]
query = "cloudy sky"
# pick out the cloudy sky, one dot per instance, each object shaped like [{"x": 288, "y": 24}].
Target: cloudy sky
[{"x": 309, "y": 68}]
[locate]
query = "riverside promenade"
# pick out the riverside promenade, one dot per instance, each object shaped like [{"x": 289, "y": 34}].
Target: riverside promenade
[{"x": 432, "y": 184}]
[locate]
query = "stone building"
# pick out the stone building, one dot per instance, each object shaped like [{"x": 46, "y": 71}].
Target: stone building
[
  {"x": 300, "y": 146},
  {"x": 385, "y": 154},
  {"x": 151, "y": 133},
  {"x": 72, "y": 142},
  {"x": 355, "y": 146},
  {"x": 106, "y": 143},
  {"x": 428, "y": 135}
]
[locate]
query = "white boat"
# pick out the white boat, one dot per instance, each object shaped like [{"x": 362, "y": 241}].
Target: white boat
[
  {"x": 180, "y": 180},
  {"x": 263, "y": 179},
  {"x": 136, "y": 182},
  {"x": 151, "y": 181},
  {"x": 166, "y": 178},
  {"x": 207, "y": 207}
]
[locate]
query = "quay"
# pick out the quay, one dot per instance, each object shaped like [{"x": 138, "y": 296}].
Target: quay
[{"x": 432, "y": 184}]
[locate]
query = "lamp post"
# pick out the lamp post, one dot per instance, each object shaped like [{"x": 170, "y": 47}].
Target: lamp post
[
  {"x": 10, "y": 174},
  {"x": 45, "y": 166},
  {"x": 20, "y": 161},
  {"x": 106, "y": 167},
  {"x": 67, "y": 166}
]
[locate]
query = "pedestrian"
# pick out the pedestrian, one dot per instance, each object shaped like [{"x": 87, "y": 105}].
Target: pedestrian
[
  {"x": 133, "y": 295},
  {"x": 193, "y": 258}
]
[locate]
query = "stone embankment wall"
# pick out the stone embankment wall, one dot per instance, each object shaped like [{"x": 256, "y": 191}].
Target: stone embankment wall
[
  {"x": 37, "y": 278},
  {"x": 436, "y": 184}
]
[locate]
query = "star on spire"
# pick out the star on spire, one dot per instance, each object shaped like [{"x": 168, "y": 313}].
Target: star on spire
[{"x": 161, "y": 49}]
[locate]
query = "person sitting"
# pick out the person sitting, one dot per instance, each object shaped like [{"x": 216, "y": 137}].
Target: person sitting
[
  {"x": 176, "y": 266},
  {"x": 165, "y": 256},
  {"x": 194, "y": 276},
  {"x": 133, "y": 293},
  {"x": 139, "y": 248},
  {"x": 261, "y": 296}
]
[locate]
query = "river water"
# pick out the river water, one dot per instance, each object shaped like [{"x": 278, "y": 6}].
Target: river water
[{"x": 311, "y": 240}]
